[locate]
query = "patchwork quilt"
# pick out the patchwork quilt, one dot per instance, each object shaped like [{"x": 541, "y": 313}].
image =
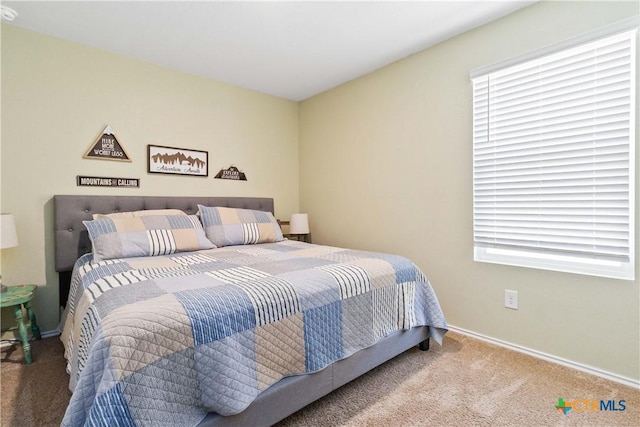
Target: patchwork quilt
[{"x": 164, "y": 340}]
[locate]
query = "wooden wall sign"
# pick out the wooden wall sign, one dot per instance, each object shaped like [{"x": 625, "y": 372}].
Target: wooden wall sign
[
  {"x": 180, "y": 161},
  {"x": 232, "y": 173},
  {"x": 107, "y": 147},
  {"x": 101, "y": 181}
]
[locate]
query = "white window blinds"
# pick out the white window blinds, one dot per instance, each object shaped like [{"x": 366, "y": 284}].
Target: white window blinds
[{"x": 553, "y": 142}]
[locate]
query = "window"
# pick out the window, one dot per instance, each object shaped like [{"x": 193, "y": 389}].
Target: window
[{"x": 553, "y": 159}]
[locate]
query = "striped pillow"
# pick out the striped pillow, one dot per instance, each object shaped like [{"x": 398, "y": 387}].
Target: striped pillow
[
  {"x": 233, "y": 226},
  {"x": 151, "y": 235}
]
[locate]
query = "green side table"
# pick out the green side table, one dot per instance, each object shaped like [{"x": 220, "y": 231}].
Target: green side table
[{"x": 17, "y": 297}]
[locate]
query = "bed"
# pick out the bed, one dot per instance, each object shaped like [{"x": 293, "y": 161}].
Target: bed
[{"x": 222, "y": 322}]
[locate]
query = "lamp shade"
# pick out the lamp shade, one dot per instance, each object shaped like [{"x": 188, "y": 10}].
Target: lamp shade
[
  {"x": 299, "y": 223},
  {"x": 8, "y": 235}
]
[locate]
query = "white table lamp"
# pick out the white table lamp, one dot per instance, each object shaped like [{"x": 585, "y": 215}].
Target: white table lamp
[
  {"x": 299, "y": 223},
  {"x": 8, "y": 237}
]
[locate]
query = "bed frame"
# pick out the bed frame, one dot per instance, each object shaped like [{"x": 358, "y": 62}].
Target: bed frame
[{"x": 281, "y": 399}]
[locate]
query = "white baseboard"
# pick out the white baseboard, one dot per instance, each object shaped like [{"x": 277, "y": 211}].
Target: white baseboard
[
  {"x": 48, "y": 334},
  {"x": 550, "y": 358}
]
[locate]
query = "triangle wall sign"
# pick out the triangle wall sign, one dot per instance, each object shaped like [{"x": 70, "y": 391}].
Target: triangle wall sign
[{"x": 107, "y": 147}]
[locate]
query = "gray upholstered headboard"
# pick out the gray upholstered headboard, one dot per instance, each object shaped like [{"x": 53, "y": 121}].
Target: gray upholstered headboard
[{"x": 72, "y": 238}]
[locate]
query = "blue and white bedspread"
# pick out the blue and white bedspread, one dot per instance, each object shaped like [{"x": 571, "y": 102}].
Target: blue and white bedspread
[{"x": 163, "y": 340}]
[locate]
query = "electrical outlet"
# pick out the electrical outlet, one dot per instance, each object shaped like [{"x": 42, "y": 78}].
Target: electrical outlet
[{"x": 511, "y": 299}]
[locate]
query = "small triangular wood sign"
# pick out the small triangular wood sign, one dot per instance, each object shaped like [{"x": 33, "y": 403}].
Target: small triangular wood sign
[
  {"x": 232, "y": 173},
  {"x": 107, "y": 147}
]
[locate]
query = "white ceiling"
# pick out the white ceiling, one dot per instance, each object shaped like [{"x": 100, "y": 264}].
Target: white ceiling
[{"x": 292, "y": 50}]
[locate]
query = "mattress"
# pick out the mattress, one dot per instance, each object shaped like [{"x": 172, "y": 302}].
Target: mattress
[{"x": 165, "y": 340}]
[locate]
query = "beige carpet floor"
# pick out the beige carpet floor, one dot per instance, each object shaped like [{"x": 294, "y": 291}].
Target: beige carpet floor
[
  {"x": 464, "y": 383},
  {"x": 36, "y": 394}
]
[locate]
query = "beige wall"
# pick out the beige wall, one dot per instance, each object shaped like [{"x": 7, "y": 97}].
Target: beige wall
[
  {"x": 57, "y": 97},
  {"x": 386, "y": 164}
]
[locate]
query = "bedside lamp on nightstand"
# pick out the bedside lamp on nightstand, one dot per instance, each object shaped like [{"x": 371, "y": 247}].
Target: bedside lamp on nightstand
[
  {"x": 299, "y": 225},
  {"x": 8, "y": 237}
]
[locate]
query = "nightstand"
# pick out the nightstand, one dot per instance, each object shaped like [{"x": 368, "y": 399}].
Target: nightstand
[
  {"x": 299, "y": 237},
  {"x": 19, "y": 297},
  {"x": 306, "y": 237}
]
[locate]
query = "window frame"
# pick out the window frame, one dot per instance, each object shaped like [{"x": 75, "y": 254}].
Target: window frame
[{"x": 524, "y": 257}]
